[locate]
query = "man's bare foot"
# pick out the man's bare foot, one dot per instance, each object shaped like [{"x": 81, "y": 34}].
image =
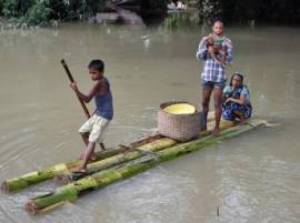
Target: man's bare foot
[
  {"x": 216, "y": 132},
  {"x": 242, "y": 121}
]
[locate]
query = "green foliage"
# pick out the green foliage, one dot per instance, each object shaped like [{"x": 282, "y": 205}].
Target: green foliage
[
  {"x": 209, "y": 10},
  {"x": 43, "y": 11},
  {"x": 26, "y": 11},
  {"x": 10, "y": 8},
  {"x": 38, "y": 14},
  {"x": 35, "y": 12},
  {"x": 181, "y": 19},
  {"x": 153, "y": 8},
  {"x": 72, "y": 9},
  {"x": 236, "y": 11}
]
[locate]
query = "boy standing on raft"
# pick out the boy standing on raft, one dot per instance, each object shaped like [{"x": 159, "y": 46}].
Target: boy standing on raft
[
  {"x": 92, "y": 130},
  {"x": 213, "y": 76}
]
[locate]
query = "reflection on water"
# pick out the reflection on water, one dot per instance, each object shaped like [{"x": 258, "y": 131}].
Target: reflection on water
[{"x": 254, "y": 178}]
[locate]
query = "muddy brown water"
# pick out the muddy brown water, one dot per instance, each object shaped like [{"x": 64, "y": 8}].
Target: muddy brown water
[{"x": 253, "y": 178}]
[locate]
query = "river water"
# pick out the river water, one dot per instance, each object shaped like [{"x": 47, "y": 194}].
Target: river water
[{"x": 253, "y": 178}]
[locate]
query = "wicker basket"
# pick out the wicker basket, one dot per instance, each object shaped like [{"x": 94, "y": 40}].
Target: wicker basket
[{"x": 181, "y": 127}]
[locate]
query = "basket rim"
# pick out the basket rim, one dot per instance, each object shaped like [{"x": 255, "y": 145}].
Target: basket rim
[{"x": 165, "y": 104}]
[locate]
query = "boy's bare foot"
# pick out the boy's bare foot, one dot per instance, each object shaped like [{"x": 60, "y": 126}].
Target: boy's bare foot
[
  {"x": 93, "y": 157},
  {"x": 80, "y": 170},
  {"x": 216, "y": 132},
  {"x": 102, "y": 146}
]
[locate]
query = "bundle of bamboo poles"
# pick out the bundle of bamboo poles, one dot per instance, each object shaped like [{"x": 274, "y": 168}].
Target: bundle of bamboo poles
[
  {"x": 26, "y": 180},
  {"x": 18, "y": 183},
  {"x": 134, "y": 153},
  {"x": 147, "y": 159}
]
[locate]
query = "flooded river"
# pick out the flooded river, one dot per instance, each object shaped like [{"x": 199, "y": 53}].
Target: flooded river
[{"x": 253, "y": 178}]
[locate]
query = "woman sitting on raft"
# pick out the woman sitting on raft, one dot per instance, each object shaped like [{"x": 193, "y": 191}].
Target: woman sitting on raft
[{"x": 236, "y": 99}]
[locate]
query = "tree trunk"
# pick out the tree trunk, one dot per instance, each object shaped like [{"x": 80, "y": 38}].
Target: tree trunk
[{"x": 71, "y": 192}]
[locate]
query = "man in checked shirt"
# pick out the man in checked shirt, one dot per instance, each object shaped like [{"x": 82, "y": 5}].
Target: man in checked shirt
[{"x": 213, "y": 76}]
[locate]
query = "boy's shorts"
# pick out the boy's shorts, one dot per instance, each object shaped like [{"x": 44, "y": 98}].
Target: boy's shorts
[
  {"x": 96, "y": 126},
  {"x": 212, "y": 84}
]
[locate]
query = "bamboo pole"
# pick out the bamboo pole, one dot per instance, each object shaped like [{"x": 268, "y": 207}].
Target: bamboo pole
[
  {"x": 71, "y": 79},
  {"x": 26, "y": 180},
  {"x": 72, "y": 191},
  {"x": 68, "y": 176},
  {"x": 120, "y": 158},
  {"x": 18, "y": 183}
]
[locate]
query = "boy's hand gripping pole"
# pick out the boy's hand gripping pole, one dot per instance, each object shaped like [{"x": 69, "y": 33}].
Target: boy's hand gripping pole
[{"x": 86, "y": 111}]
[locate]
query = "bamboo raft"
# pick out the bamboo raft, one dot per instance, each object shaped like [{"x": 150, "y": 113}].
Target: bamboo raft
[
  {"x": 118, "y": 164},
  {"x": 115, "y": 165},
  {"x": 56, "y": 171}
]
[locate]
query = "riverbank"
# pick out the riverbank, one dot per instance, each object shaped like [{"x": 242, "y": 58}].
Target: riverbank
[{"x": 21, "y": 13}]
